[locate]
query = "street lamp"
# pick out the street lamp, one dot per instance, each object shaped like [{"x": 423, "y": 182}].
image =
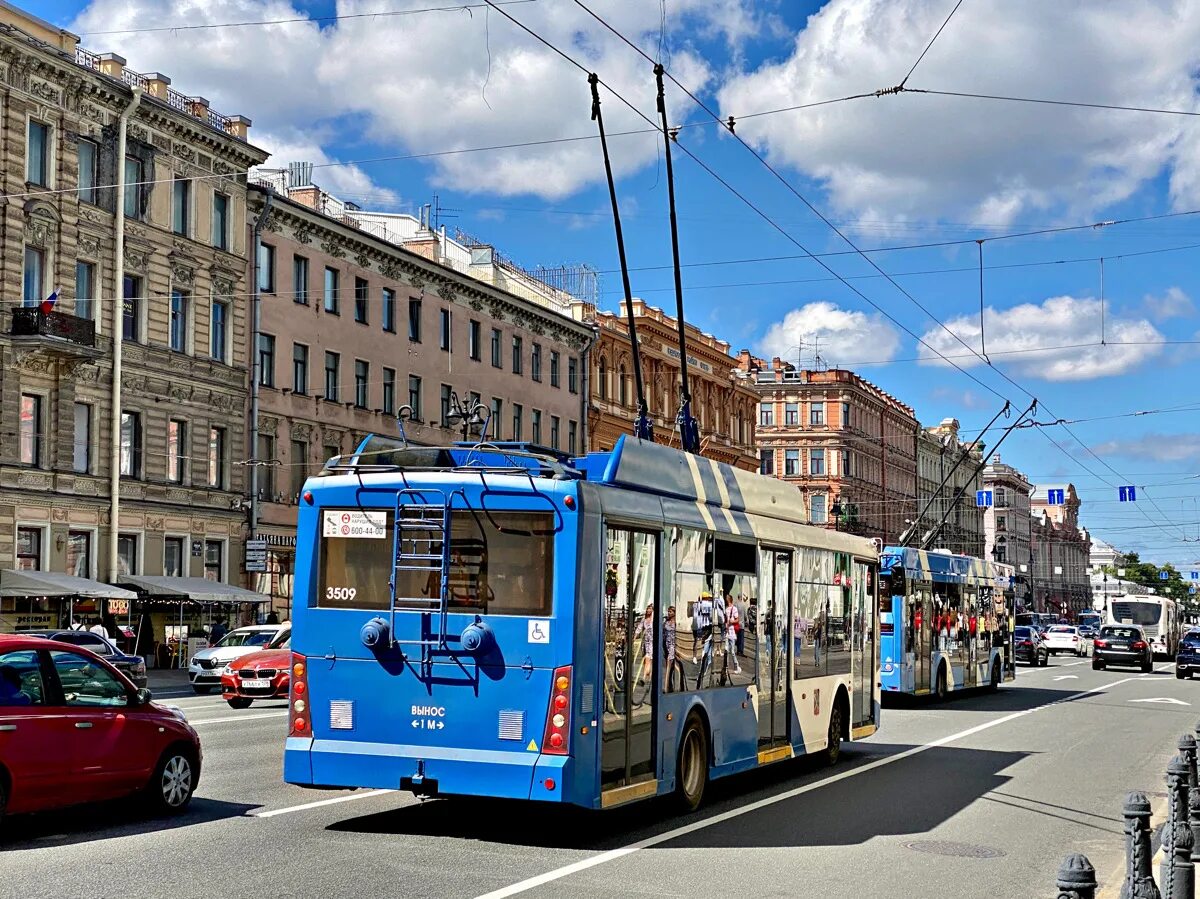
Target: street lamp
[{"x": 474, "y": 416}]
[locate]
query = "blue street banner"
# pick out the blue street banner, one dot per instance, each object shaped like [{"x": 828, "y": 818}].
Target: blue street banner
[
  {"x": 983, "y": 498},
  {"x": 1055, "y": 496},
  {"x": 1127, "y": 494}
]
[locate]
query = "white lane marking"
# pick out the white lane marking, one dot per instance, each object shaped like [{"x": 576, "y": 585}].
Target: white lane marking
[
  {"x": 614, "y": 854},
  {"x": 1067, "y": 677},
  {"x": 226, "y": 720},
  {"x": 319, "y": 803},
  {"x": 1163, "y": 699}
]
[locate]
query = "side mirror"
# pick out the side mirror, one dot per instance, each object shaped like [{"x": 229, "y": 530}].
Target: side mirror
[{"x": 142, "y": 696}]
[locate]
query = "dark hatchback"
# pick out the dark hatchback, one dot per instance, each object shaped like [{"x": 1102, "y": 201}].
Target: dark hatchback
[
  {"x": 133, "y": 667},
  {"x": 1187, "y": 660},
  {"x": 1030, "y": 647},
  {"x": 1122, "y": 644}
]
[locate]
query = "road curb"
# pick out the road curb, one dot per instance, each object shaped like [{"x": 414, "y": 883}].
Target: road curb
[{"x": 1110, "y": 887}]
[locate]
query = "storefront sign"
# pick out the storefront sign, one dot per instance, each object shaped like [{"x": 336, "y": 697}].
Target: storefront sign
[
  {"x": 256, "y": 554},
  {"x": 14, "y": 622},
  {"x": 197, "y": 549},
  {"x": 673, "y": 352},
  {"x": 118, "y": 607}
]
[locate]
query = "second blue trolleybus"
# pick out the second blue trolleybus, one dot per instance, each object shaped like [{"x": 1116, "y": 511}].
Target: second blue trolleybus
[{"x": 502, "y": 620}]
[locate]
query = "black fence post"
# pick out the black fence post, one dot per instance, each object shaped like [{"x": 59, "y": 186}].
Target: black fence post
[
  {"x": 1177, "y": 874},
  {"x": 1139, "y": 876},
  {"x": 1187, "y": 748},
  {"x": 1076, "y": 878}
]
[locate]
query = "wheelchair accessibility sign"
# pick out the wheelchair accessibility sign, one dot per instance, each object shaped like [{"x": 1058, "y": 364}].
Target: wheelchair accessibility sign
[{"x": 539, "y": 631}]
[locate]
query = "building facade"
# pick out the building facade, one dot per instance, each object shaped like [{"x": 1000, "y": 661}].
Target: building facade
[
  {"x": 847, "y": 445},
  {"x": 722, "y": 403},
  {"x": 942, "y": 456},
  {"x": 1007, "y": 522},
  {"x": 356, "y": 324},
  {"x": 177, "y": 434},
  {"x": 1061, "y": 549}
]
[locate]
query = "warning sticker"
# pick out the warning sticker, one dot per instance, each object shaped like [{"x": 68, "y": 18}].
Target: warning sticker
[{"x": 353, "y": 524}]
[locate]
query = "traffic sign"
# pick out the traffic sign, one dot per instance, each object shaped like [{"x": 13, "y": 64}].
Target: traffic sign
[
  {"x": 1055, "y": 496},
  {"x": 1164, "y": 576},
  {"x": 1196, "y": 575},
  {"x": 983, "y": 498},
  {"x": 1127, "y": 494},
  {"x": 1191, "y": 590},
  {"x": 256, "y": 554}
]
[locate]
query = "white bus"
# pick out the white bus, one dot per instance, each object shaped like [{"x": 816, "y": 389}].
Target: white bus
[{"x": 1158, "y": 616}]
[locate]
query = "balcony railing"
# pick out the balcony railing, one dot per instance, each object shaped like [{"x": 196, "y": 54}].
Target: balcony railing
[{"x": 31, "y": 321}]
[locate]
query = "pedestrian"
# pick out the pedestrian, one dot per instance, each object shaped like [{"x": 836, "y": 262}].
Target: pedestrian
[
  {"x": 705, "y": 615},
  {"x": 99, "y": 629},
  {"x": 219, "y": 630},
  {"x": 669, "y": 644},
  {"x": 76, "y": 624},
  {"x": 272, "y": 617},
  {"x": 645, "y": 630},
  {"x": 733, "y": 625},
  {"x": 743, "y": 606}
]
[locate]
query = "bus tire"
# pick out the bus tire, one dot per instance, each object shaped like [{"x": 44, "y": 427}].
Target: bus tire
[
  {"x": 691, "y": 766},
  {"x": 833, "y": 744},
  {"x": 994, "y": 682},
  {"x": 941, "y": 689}
]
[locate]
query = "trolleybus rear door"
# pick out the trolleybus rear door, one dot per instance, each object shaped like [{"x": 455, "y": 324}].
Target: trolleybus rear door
[
  {"x": 770, "y": 632},
  {"x": 864, "y": 660}
]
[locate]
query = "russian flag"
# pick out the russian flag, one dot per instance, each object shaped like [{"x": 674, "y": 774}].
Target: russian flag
[{"x": 48, "y": 303}]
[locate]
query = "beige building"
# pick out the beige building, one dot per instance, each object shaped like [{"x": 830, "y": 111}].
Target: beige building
[
  {"x": 1061, "y": 550},
  {"x": 1007, "y": 524},
  {"x": 363, "y": 314},
  {"x": 178, "y": 430},
  {"x": 939, "y": 450}
]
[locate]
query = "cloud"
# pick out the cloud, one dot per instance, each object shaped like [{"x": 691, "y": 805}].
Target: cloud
[
  {"x": 346, "y": 181},
  {"x": 1156, "y": 447},
  {"x": 900, "y": 157},
  {"x": 434, "y": 81},
  {"x": 1172, "y": 304},
  {"x": 1069, "y": 325},
  {"x": 841, "y": 336}
]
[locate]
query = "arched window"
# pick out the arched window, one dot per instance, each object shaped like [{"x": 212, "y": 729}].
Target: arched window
[
  {"x": 602, "y": 380},
  {"x": 624, "y": 386}
]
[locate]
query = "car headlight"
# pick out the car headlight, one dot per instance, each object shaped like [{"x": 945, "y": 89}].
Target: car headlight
[
  {"x": 192, "y": 661},
  {"x": 227, "y": 671},
  {"x": 176, "y": 711}
]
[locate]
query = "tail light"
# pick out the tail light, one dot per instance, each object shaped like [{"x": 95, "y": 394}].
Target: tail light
[
  {"x": 557, "y": 739},
  {"x": 1100, "y": 644},
  {"x": 1139, "y": 644},
  {"x": 1026, "y": 642},
  {"x": 299, "y": 707}
]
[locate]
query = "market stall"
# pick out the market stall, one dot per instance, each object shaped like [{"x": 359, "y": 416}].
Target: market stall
[{"x": 49, "y": 600}]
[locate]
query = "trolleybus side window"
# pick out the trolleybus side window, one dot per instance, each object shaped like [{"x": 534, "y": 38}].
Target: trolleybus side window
[{"x": 810, "y": 656}]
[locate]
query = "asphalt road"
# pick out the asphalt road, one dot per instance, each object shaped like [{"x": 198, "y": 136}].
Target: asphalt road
[{"x": 980, "y": 796}]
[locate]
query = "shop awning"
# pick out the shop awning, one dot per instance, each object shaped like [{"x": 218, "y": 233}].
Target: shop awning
[
  {"x": 52, "y": 583},
  {"x": 197, "y": 589}
]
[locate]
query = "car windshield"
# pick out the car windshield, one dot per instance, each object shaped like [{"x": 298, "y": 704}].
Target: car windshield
[
  {"x": 1192, "y": 639},
  {"x": 283, "y": 640},
  {"x": 247, "y": 638},
  {"x": 1126, "y": 633},
  {"x": 1062, "y": 630},
  {"x": 1021, "y": 633}
]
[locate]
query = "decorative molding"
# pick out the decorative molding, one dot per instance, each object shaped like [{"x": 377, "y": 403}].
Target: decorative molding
[
  {"x": 154, "y": 524},
  {"x": 333, "y": 249},
  {"x": 44, "y": 91},
  {"x": 88, "y": 246},
  {"x": 181, "y": 271},
  {"x": 303, "y": 233},
  {"x": 183, "y": 151},
  {"x": 268, "y": 426},
  {"x": 476, "y": 304},
  {"x": 417, "y": 282},
  {"x": 137, "y": 259},
  {"x": 363, "y": 260},
  {"x": 34, "y": 362},
  {"x": 34, "y": 479},
  {"x": 390, "y": 269},
  {"x": 301, "y": 430}
]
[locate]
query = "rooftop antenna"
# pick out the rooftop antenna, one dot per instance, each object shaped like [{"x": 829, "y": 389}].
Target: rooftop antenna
[
  {"x": 689, "y": 430},
  {"x": 643, "y": 428}
]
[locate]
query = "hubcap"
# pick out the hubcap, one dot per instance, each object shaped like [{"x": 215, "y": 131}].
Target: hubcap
[
  {"x": 176, "y": 780},
  {"x": 835, "y": 733}
]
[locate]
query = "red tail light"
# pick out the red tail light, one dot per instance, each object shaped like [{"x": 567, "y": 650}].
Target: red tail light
[
  {"x": 1026, "y": 642},
  {"x": 1139, "y": 644},
  {"x": 557, "y": 739},
  {"x": 299, "y": 707},
  {"x": 1100, "y": 644}
]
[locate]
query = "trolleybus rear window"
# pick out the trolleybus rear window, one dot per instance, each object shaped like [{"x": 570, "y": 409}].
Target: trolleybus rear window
[{"x": 501, "y": 563}]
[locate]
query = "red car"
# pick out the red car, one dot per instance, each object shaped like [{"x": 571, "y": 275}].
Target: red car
[
  {"x": 259, "y": 675},
  {"x": 74, "y": 729}
]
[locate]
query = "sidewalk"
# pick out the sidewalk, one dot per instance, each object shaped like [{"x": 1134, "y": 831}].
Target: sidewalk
[{"x": 167, "y": 679}]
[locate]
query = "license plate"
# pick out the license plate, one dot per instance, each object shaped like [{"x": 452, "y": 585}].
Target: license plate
[{"x": 256, "y": 684}]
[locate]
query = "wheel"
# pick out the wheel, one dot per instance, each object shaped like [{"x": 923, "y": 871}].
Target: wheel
[
  {"x": 201, "y": 691},
  {"x": 174, "y": 781},
  {"x": 941, "y": 690},
  {"x": 691, "y": 769},
  {"x": 994, "y": 682},
  {"x": 1147, "y": 667},
  {"x": 833, "y": 746},
  {"x": 239, "y": 702},
  {"x": 1179, "y": 675},
  {"x": 1097, "y": 664},
  {"x": 1043, "y": 661}
]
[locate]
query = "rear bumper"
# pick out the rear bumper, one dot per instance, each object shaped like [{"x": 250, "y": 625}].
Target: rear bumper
[{"x": 1121, "y": 658}]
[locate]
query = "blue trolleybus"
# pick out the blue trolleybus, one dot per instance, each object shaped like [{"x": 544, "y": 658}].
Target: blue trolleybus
[
  {"x": 946, "y": 622},
  {"x": 501, "y": 620}
]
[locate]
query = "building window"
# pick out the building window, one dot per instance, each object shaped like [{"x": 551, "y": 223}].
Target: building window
[
  {"x": 220, "y": 221},
  {"x": 517, "y": 424},
  {"x": 791, "y": 413},
  {"x": 554, "y": 369},
  {"x": 389, "y": 310},
  {"x": 300, "y": 280},
  {"x": 331, "y": 450},
  {"x": 816, "y": 414},
  {"x": 494, "y": 418},
  {"x": 623, "y": 385},
  {"x": 572, "y": 430},
  {"x": 414, "y": 396},
  {"x": 31, "y": 429},
  {"x": 536, "y": 426},
  {"x": 362, "y": 376},
  {"x": 176, "y": 450},
  {"x": 819, "y": 515},
  {"x": 573, "y": 375},
  {"x": 414, "y": 321},
  {"x": 444, "y": 331},
  {"x": 446, "y": 391},
  {"x": 299, "y": 369},
  {"x": 173, "y": 557},
  {"x": 266, "y": 268},
  {"x": 554, "y": 431},
  {"x": 135, "y": 188},
  {"x": 497, "y": 350},
  {"x": 332, "y": 363},
  {"x": 517, "y": 351},
  {"x": 127, "y": 553},
  {"x": 79, "y": 553},
  {"x": 1001, "y": 522},
  {"x": 219, "y": 330},
  {"x": 602, "y": 380},
  {"x": 85, "y": 290},
  {"x": 535, "y": 363},
  {"x": 216, "y": 458},
  {"x": 389, "y": 391},
  {"x": 33, "y": 280},
  {"x": 87, "y": 171},
  {"x": 266, "y": 470},
  {"x": 766, "y": 461},
  {"x": 131, "y": 309},
  {"x": 266, "y": 360},
  {"x": 791, "y": 462},
  {"x": 214, "y": 560},
  {"x": 766, "y": 415},
  {"x": 181, "y": 205},
  {"x": 331, "y": 290},
  {"x": 179, "y": 321},
  {"x": 29, "y": 549},
  {"x": 845, "y": 415},
  {"x": 474, "y": 338},
  {"x": 846, "y": 469},
  {"x": 131, "y": 444},
  {"x": 37, "y": 154},
  {"x": 1000, "y": 498},
  {"x": 816, "y": 462},
  {"x": 299, "y": 468},
  {"x": 362, "y": 294},
  {"x": 81, "y": 455}
]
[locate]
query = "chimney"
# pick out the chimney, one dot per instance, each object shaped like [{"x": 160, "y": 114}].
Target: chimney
[
  {"x": 157, "y": 85},
  {"x": 112, "y": 65},
  {"x": 198, "y": 106},
  {"x": 239, "y": 127},
  {"x": 309, "y": 196}
]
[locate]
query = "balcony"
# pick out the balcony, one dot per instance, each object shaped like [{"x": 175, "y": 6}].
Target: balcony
[{"x": 54, "y": 331}]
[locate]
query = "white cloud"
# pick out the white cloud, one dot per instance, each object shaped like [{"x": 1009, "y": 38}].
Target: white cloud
[
  {"x": 433, "y": 81},
  {"x": 1013, "y": 336},
  {"x": 1172, "y": 304},
  {"x": 841, "y": 336},
  {"x": 901, "y": 157},
  {"x": 1157, "y": 447},
  {"x": 345, "y": 181}
]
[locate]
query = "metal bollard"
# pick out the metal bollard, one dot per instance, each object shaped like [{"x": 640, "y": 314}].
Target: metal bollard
[
  {"x": 1187, "y": 748},
  {"x": 1139, "y": 876},
  {"x": 1177, "y": 874},
  {"x": 1076, "y": 878}
]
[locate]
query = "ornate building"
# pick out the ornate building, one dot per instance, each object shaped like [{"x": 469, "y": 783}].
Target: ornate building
[
  {"x": 942, "y": 456},
  {"x": 177, "y": 433},
  {"x": 1061, "y": 548},
  {"x": 722, "y": 403},
  {"x": 1007, "y": 524}
]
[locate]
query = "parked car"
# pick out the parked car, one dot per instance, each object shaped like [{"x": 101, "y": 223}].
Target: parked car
[
  {"x": 1064, "y": 638},
  {"x": 1187, "y": 660},
  {"x": 205, "y": 667},
  {"x": 259, "y": 675},
  {"x": 1122, "y": 644},
  {"x": 1030, "y": 647},
  {"x": 133, "y": 667},
  {"x": 74, "y": 729}
]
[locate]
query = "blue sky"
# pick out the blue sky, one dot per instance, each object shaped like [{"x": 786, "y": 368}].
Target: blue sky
[{"x": 889, "y": 171}]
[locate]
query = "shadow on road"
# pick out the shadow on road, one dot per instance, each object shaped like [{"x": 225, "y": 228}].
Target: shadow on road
[{"x": 1006, "y": 699}]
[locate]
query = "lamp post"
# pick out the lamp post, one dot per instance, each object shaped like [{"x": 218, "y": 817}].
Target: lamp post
[{"x": 474, "y": 416}]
